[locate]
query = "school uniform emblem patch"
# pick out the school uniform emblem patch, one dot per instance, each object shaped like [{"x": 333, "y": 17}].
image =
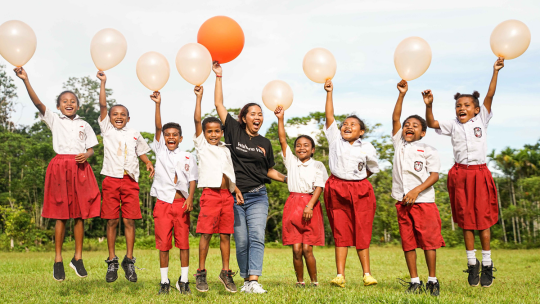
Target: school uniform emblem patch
[
  {"x": 478, "y": 132},
  {"x": 360, "y": 166},
  {"x": 418, "y": 165},
  {"x": 187, "y": 167}
]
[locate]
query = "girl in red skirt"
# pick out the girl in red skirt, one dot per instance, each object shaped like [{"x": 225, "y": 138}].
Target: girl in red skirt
[
  {"x": 71, "y": 190},
  {"x": 348, "y": 195},
  {"x": 303, "y": 225},
  {"x": 472, "y": 191}
]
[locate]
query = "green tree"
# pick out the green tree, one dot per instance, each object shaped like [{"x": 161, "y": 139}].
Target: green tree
[{"x": 8, "y": 93}]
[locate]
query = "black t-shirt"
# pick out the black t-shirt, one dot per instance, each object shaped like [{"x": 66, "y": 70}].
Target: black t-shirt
[{"x": 252, "y": 157}]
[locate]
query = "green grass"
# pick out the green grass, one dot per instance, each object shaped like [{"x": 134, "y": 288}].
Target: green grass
[{"x": 27, "y": 277}]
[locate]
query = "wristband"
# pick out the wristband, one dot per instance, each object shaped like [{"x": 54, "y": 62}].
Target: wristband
[
  {"x": 308, "y": 207},
  {"x": 219, "y": 75},
  {"x": 285, "y": 179}
]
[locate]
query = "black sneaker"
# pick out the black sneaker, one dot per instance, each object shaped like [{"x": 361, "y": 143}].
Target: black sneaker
[
  {"x": 78, "y": 266},
  {"x": 58, "y": 271},
  {"x": 183, "y": 287},
  {"x": 200, "y": 281},
  {"x": 300, "y": 285},
  {"x": 226, "y": 278},
  {"x": 413, "y": 287},
  {"x": 112, "y": 270},
  {"x": 129, "y": 268},
  {"x": 474, "y": 274},
  {"x": 164, "y": 288},
  {"x": 433, "y": 288},
  {"x": 487, "y": 275}
]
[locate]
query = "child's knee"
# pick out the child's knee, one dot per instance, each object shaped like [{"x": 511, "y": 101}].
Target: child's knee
[
  {"x": 225, "y": 237},
  {"x": 207, "y": 236},
  {"x": 129, "y": 223},
  {"x": 297, "y": 254},
  {"x": 113, "y": 223}
]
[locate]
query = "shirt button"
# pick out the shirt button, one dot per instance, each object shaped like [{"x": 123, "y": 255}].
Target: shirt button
[{"x": 355, "y": 171}]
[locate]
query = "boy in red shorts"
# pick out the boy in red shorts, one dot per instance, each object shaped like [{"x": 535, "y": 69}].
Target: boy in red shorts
[
  {"x": 217, "y": 203},
  {"x": 415, "y": 171},
  {"x": 174, "y": 186},
  {"x": 121, "y": 147}
]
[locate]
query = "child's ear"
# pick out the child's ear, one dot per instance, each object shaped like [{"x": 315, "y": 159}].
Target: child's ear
[
  {"x": 422, "y": 134},
  {"x": 476, "y": 110},
  {"x": 128, "y": 119}
]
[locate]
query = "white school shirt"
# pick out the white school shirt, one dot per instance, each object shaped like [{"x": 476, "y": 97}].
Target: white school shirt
[
  {"x": 469, "y": 140},
  {"x": 303, "y": 177},
  {"x": 69, "y": 136},
  {"x": 413, "y": 163},
  {"x": 214, "y": 161},
  {"x": 168, "y": 164},
  {"x": 121, "y": 149},
  {"x": 349, "y": 162}
]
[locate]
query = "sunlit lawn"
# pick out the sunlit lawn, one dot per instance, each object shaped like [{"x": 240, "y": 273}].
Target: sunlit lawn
[{"x": 27, "y": 277}]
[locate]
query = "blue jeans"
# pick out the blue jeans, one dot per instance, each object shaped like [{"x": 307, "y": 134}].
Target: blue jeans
[{"x": 249, "y": 231}]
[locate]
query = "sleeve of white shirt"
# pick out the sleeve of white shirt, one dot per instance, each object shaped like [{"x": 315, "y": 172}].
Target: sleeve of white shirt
[
  {"x": 484, "y": 115},
  {"x": 193, "y": 169},
  {"x": 288, "y": 157},
  {"x": 158, "y": 145},
  {"x": 445, "y": 127},
  {"x": 48, "y": 118},
  {"x": 372, "y": 162},
  {"x": 396, "y": 139},
  {"x": 433, "y": 162},
  {"x": 91, "y": 139},
  {"x": 332, "y": 133},
  {"x": 141, "y": 147},
  {"x": 105, "y": 124},
  {"x": 320, "y": 175}
]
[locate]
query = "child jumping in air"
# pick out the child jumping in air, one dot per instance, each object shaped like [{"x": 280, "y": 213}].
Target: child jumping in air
[
  {"x": 348, "y": 195},
  {"x": 121, "y": 147},
  {"x": 473, "y": 195},
  {"x": 217, "y": 203},
  {"x": 415, "y": 171},
  {"x": 303, "y": 225},
  {"x": 174, "y": 186},
  {"x": 71, "y": 189}
]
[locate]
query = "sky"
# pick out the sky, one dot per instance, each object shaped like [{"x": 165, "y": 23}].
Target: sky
[{"x": 362, "y": 35}]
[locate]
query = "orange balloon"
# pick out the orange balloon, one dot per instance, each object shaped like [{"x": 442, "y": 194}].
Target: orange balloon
[{"x": 223, "y": 37}]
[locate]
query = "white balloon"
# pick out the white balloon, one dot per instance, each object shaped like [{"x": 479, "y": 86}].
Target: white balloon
[
  {"x": 108, "y": 48},
  {"x": 17, "y": 42},
  {"x": 277, "y": 93},
  {"x": 319, "y": 65},
  {"x": 194, "y": 63}
]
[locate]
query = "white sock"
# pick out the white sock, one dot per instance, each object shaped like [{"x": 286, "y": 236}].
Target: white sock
[
  {"x": 471, "y": 257},
  {"x": 432, "y": 279},
  {"x": 164, "y": 275},
  {"x": 415, "y": 280},
  {"x": 486, "y": 257},
  {"x": 185, "y": 274},
  {"x": 339, "y": 275},
  {"x": 366, "y": 274}
]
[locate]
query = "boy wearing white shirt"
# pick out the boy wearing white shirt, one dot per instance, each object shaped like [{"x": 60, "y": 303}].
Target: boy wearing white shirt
[
  {"x": 415, "y": 171},
  {"x": 218, "y": 181},
  {"x": 174, "y": 186},
  {"x": 472, "y": 190},
  {"x": 303, "y": 225},
  {"x": 121, "y": 147}
]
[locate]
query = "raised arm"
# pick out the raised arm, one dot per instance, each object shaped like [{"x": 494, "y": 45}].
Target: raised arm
[
  {"x": 402, "y": 86},
  {"x": 156, "y": 97},
  {"x": 329, "y": 109},
  {"x": 499, "y": 64},
  {"x": 102, "y": 95},
  {"x": 280, "y": 113},
  {"x": 21, "y": 73},
  {"x": 218, "y": 93},
  {"x": 428, "y": 100},
  {"x": 197, "y": 116}
]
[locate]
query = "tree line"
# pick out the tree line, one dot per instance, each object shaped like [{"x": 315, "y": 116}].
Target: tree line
[{"x": 27, "y": 150}]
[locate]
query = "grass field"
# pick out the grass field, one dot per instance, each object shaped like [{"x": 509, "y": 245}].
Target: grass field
[{"x": 27, "y": 278}]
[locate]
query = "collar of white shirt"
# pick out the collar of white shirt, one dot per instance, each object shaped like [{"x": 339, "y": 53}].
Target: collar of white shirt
[
  {"x": 307, "y": 163},
  {"x": 358, "y": 141},
  {"x": 64, "y": 116}
]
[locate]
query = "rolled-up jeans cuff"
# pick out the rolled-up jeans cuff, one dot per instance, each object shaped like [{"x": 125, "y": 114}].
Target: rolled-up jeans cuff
[
  {"x": 244, "y": 275},
  {"x": 255, "y": 272}
]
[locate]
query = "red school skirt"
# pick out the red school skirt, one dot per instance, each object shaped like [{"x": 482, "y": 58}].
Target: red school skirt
[
  {"x": 295, "y": 229},
  {"x": 473, "y": 197},
  {"x": 71, "y": 190},
  {"x": 350, "y": 207}
]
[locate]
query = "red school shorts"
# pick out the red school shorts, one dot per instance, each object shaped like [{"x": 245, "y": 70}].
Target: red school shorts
[
  {"x": 217, "y": 212},
  {"x": 295, "y": 229},
  {"x": 473, "y": 197},
  {"x": 71, "y": 190},
  {"x": 419, "y": 226},
  {"x": 120, "y": 191},
  {"x": 169, "y": 217},
  {"x": 350, "y": 207}
]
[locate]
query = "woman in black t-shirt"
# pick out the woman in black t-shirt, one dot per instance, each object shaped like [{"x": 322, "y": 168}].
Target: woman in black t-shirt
[{"x": 253, "y": 160}]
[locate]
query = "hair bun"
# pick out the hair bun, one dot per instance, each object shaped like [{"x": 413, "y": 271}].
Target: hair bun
[
  {"x": 457, "y": 96},
  {"x": 476, "y": 94}
]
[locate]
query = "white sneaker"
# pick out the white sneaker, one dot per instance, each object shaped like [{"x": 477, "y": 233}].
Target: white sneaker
[
  {"x": 245, "y": 288},
  {"x": 255, "y": 287}
]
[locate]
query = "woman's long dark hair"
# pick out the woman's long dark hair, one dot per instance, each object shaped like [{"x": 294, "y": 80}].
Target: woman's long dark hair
[{"x": 244, "y": 112}]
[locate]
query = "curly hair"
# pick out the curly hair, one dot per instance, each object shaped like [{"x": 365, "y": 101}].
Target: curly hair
[
  {"x": 474, "y": 96},
  {"x": 211, "y": 119},
  {"x": 422, "y": 121}
]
